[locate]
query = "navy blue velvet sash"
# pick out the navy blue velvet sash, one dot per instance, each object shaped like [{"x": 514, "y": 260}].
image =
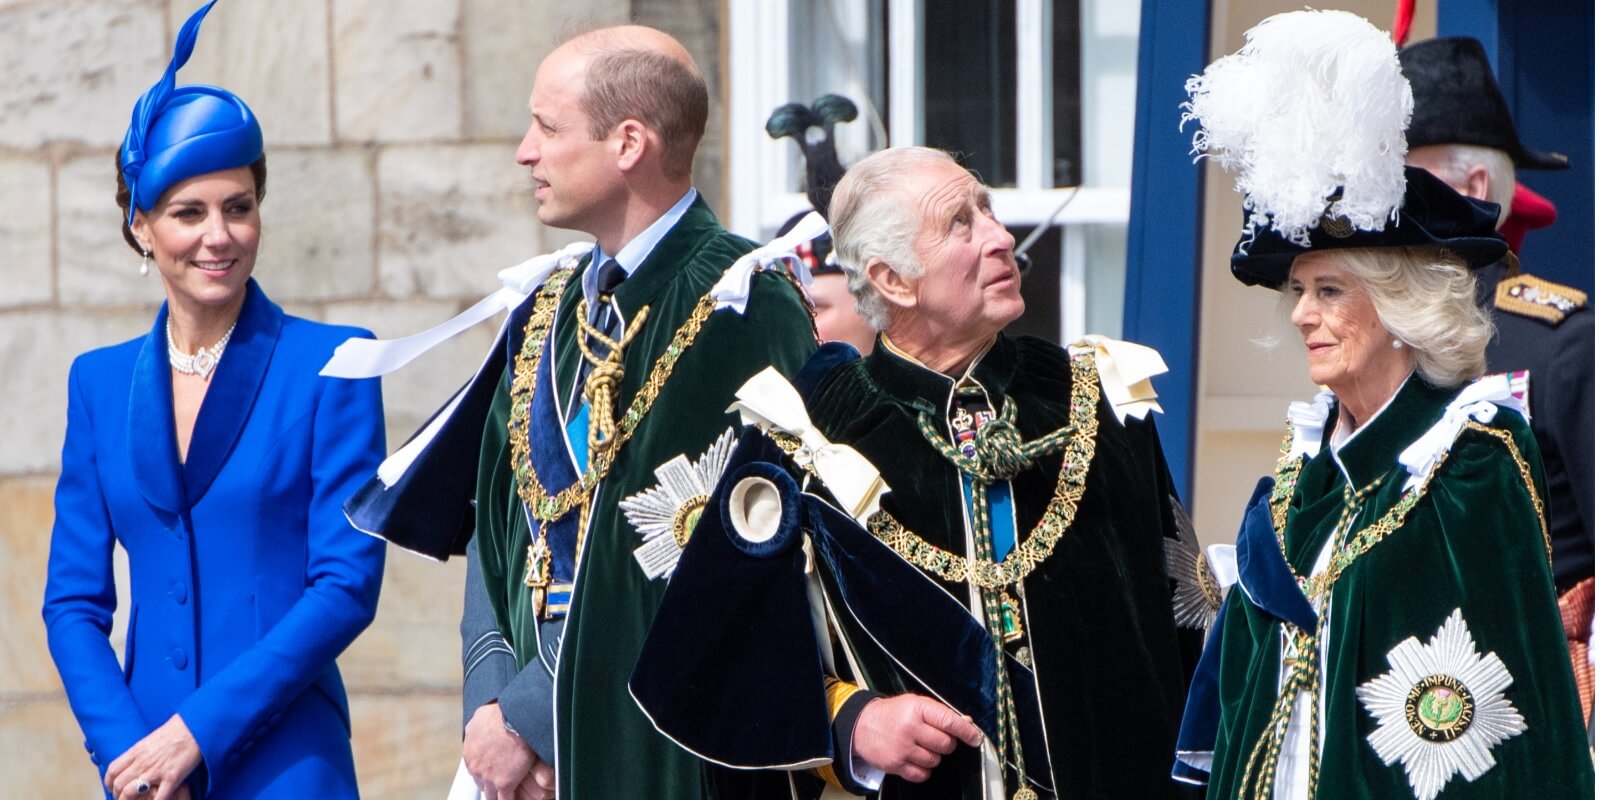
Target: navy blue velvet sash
[
  {"x": 1269, "y": 586},
  {"x": 552, "y": 461},
  {"x": 733, "y": 637}
]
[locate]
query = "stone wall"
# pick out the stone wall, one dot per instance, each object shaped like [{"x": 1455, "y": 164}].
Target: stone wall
[{"x": 393, "y": 199}]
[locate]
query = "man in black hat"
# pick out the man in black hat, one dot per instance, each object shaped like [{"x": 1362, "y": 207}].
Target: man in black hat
[{"x": 1462, "y": 132}]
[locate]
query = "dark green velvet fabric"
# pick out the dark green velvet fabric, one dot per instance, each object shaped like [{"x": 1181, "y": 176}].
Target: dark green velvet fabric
[
  {"x": 607, "y": 748},
  {"x": 1111, "y": 669},
  {"x": 1473, "y": 542}
]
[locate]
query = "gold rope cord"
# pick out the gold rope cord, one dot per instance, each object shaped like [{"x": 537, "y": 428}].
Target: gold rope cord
[
  {"x": 605, "y": 376},
  {"x": 1527, "y": 480},
  {"x": 541, "y": 504}
]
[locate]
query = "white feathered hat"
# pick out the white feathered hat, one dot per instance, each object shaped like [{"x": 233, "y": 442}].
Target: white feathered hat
[{"x": 1310, "y": 116}]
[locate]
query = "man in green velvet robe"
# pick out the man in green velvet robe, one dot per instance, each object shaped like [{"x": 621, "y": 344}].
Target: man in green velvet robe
[
  {"x": 621, "y": 369},
  {"x": 1027, "y": 484}
]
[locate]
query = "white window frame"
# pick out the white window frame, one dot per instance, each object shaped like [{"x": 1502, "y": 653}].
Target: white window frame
[{"x": 760, "y": 55}]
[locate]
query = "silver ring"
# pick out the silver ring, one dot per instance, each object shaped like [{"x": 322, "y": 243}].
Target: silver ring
[{"x": 141, "y": 786}]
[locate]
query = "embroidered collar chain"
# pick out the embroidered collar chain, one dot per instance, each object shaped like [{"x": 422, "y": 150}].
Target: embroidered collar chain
[
  {"x": 1305, "y": 665},
  {"x": 544, "y": 506},
  {"x": 1287, "y": 476},
  {"x": 1058, "y": 516},
  {"x": 1002, "y": 454}
]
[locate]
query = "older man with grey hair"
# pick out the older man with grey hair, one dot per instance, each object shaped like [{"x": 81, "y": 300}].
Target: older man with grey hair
[{"x": 1028, "y": 503}]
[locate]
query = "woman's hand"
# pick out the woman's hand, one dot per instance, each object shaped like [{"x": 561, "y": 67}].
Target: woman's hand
[{"x": 158, "y": 765}]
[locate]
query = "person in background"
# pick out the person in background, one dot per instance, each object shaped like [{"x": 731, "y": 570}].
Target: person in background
[
  {"x": 838, "y": 319},
  {"x": 812, "y": 129},
  {"x": 212, "y": 452},
  {"x": 1462, "y": 132}
]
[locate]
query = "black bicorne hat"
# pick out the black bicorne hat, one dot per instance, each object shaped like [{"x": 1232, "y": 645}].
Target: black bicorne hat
[
  {"x": 1458, "y": 101},
  {"x": 1433, "y": 215}
]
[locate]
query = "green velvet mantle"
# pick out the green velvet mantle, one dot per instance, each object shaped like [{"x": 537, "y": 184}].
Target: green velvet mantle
[
  {"x": 1111, "y": 669},
  {"x": 606, "y": 747},
  {"x": 1473, "y": 542}
]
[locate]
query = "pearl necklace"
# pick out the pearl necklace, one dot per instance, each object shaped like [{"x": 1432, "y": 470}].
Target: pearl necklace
[{"x": 203, "y": 361}]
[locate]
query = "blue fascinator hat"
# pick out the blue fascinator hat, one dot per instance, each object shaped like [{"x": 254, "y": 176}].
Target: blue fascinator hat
[{"x": 179, "y": 132}]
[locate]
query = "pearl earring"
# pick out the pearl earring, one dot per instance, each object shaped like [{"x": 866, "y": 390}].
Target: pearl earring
[
  {"x": 144, "y": 264},
  {"x": 1395, "y": 344}
]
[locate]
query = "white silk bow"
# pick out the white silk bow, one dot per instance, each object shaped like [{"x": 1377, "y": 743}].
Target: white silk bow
[
  {"x": 1125, "y": 372},
  {"x": 1308, "y": 421},
  {"x": 733, "y": 289},
  {"x": 371, "y": 358},
  {"x": 1477, "y": 401},
  {"x": 769, "y": 402}
]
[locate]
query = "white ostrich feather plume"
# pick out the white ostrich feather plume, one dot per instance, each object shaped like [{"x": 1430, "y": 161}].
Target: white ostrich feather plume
[{"x": 1314, "y": 101}]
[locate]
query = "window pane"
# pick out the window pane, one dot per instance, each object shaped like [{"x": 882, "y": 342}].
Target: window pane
[
  {"x": 970, "y": 69},
  {"x": 1066, "y": 84},
  {"x": 1041, "y": 286}
]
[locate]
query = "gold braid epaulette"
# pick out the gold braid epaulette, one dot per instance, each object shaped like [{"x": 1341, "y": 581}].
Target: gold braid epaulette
[
  {"x": 544, "y": 506},
  {"x": 1058, "y": 515}
]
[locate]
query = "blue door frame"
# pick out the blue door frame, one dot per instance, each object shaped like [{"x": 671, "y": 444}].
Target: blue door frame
[{"x": 1164, "y": 223}]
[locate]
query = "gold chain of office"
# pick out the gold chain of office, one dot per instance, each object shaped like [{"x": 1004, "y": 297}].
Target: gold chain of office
[
  {"x": 1058, "y": 515},
  {"x": 1287, "y": 475},
  {"x": 544, "y": 506}
]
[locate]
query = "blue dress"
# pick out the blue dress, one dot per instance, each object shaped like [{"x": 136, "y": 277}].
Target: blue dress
[{"x": 246, "y": 579}]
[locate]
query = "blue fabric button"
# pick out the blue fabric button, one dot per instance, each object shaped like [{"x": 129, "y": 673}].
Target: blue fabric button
[
  {"x": 179, "y": 592},
  {"x": 178, "y": 658}
]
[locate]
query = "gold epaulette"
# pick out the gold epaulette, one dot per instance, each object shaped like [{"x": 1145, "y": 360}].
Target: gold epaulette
[{"x": 1528, "y": 296}]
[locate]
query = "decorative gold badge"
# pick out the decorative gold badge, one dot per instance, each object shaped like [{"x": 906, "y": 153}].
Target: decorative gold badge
[
  {"x": 666, "y": 513},
  {"x": 1441, "y": 709},
  {"x": 1337, "y": 226}
]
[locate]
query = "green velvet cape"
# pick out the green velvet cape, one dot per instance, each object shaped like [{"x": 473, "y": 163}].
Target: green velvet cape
[
  {"x": 1473, "y": 542},
  {"x": 606, "y": 747},
  {"x": 1111, "y": 667}
]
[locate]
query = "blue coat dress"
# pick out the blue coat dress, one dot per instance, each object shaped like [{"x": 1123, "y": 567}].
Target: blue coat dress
[{"x": 247, "y": 581}]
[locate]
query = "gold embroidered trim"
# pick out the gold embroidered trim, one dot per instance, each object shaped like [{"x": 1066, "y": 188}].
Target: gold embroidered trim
[
  {"x": 1287, "y": 475},
  {"x": 1527, "y": 481},
  {"x": 1058, "y": 516},
  {"x": 541, "y": 504},
  {"x": 1538, "y": 298}
]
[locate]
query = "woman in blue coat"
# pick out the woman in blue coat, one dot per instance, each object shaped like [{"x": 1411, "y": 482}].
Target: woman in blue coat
[{"x": 212, "y": 451}]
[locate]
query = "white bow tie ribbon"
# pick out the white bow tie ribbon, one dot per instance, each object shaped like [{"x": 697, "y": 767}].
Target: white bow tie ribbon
[
  {"x": 770, "y": 403},
  {"x": 733, "y": 289},
  {"x": 372, "y": 358},
  {"x": 1309, "y": 420},
  {"x": 1125, "y": 371},
  {"x": 1478, "y": 401}
]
